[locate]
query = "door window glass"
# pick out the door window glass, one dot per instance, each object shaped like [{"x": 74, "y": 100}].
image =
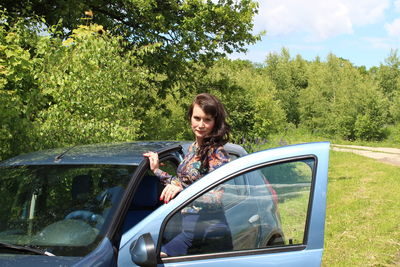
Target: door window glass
[
  {"x": 261, "y": 208},
  {"x": 235, "y": 190},
  {"x": 169, "y": 167}
]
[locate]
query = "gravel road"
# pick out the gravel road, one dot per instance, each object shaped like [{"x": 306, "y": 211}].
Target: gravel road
[{"x": 385, "y": 154}]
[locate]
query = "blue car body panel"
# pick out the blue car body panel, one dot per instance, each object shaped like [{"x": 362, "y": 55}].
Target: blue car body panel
[
  {"x": 36, "y": 260},
  {"x": 308, "y": 255}
]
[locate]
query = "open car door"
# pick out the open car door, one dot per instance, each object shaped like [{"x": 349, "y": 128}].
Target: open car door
[{"x": 271, "y": 213}]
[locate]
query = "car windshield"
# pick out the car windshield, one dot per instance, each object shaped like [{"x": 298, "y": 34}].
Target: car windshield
[{"x": 65, "y": 210}]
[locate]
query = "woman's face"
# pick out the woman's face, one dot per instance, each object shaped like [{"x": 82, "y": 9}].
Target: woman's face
[{"x": 202, "y": 123}]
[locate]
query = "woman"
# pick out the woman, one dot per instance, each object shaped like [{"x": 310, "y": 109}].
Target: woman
[{"x": 207, "y": 117}]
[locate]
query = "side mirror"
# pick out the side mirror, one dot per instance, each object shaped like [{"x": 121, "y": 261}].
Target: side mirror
[{"x": 143, "y": 251}]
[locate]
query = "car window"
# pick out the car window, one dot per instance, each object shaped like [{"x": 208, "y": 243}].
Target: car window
[
  {"x": 61, "y": 209},
  {"x": 235, "y": 191},
  {"x": 169, "y": 166},
  {"x": 261, "y": 208}
]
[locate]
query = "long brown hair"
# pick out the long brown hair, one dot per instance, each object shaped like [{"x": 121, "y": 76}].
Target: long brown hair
[{"x": 220, "y": 133}]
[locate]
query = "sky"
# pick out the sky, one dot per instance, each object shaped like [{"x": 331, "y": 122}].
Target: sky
[{"x": 361, "y": 31}]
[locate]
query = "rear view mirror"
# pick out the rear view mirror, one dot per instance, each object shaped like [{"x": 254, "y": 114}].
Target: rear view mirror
[{"x": 143, "y": 251}]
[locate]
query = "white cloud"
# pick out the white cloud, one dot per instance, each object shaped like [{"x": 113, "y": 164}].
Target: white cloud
[
  {"x": 393, "y": 29},
  {"x": 378, "y": 43},
  {"x": 320, "y": 19},
  {"x": 252, "y": 55},
  {"x": 397, "y": 5}
]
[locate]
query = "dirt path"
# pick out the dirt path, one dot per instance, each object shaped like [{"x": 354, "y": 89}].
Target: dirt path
[{"x": 384, "y": 154}]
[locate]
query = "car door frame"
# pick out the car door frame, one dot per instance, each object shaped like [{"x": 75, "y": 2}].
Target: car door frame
[
  {"x": 107, "y": 253},
  {"x": 307, "y": 254}
]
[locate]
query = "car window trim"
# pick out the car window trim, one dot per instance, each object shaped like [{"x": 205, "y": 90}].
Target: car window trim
[
  {"x": 230, "y": 254},
  {"x": 268, "y": 250},
  {"x": 113, "y": 232},
  {"x": 170, "y": 158}
]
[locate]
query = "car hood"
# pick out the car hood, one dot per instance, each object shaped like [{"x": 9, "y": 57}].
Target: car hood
[{"x": 7, "y": 259}]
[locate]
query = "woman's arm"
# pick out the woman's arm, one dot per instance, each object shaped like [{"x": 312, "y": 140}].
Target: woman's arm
[
  {"x": 164, "y": 177},
  {"x": 173, "y": 185}
]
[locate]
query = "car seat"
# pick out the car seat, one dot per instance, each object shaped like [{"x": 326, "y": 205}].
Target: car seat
[
  {"x": 81, "y": 192},
  {"x": 145, "y": 201},
  {"x": 82, "y": 188}
]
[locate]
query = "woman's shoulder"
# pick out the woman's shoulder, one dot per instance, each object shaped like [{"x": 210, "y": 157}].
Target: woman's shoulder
[
  {"x": 217, "y": 157},
  {"x": 218, "y": 151},
  {"x": 218, "y": 148}
]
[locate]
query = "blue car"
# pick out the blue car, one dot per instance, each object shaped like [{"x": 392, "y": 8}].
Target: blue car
[{"x": 98, "y": 205}]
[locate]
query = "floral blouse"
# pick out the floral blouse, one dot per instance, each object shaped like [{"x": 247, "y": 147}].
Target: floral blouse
[{"x": 189, "y": 170}]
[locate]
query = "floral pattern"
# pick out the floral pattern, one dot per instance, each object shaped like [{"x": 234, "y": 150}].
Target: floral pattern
[{"x": 189, "y": 170}]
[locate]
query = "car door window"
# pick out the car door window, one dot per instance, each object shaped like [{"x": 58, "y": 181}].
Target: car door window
[
  {"x": 169, "y": 167},
  {"x": 235, "y": 191},
  {"x": 261, "y": 208}
]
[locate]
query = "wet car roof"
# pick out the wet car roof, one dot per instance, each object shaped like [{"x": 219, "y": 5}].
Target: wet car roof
[{"x": 112, "y": 153}]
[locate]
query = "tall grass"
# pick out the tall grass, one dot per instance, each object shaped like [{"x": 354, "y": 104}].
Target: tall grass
[{"x": 363, "y": 215}]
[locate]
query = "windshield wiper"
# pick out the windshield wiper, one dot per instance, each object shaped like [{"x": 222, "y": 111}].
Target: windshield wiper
[{"x": 25, "y": 249}]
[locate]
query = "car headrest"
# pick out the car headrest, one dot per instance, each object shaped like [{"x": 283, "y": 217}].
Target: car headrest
[{"x": 82, "y": 186}]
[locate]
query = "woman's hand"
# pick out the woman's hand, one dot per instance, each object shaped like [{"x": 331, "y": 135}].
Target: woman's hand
[
  {"x": 153, "y": 158},
  {"x": 169, "y": 192}
]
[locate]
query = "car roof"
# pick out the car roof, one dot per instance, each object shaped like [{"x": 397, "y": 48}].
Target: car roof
[{"x": 128, "y": 153}]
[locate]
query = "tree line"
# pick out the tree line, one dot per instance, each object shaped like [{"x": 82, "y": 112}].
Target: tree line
[{"x": 90, "y": 78}]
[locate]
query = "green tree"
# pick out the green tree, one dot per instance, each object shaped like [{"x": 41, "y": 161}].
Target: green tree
[
  {"x": 395, "y": 107},
  {"x": 290, "y": 77},
  {"x": 388, "y": 74},
  {"x": 339, "y": 101},
  {"x": 96, "y": 91},
  {"x": 187, "y": 30},
  {"x": 388, "y": 78},
  {"x": 19, "y": 98}
]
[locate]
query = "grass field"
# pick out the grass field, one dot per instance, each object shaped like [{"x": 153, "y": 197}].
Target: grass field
[{"x": 363, "y": 212}]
